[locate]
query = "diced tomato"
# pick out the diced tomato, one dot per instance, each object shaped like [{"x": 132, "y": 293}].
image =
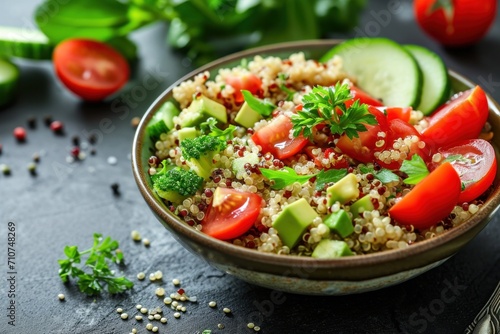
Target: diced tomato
[
  {"x": 231, "y": 214},
  {"x": 246, "y": 81},
  {"x": 337, "y": 160},
  {"x": 403, "y": 114},
  {"x": 429, "y": 201},
  {"x": 363, "y": 97},
  {"x": 364, "y": 147},
  {"x": 275, "y": 138},
  {"x": 90, "y": 69},
  {"x": 461, "y": 118},
  {"x": 476, "y": 164}
]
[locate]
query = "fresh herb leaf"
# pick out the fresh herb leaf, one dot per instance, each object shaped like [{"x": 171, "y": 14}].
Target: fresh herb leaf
[
  {"x": 282, "y": 80},
  {"x": 100, "y": 274},
  {"x": 332, "y": 175},
  {"x": 210, "y": 127},
  {"x": 326, "y": 105},
  {"x": 383, "y": 175},
  {"x": 263, "y": 107},
  {"x": 285, "y": 177},
  {"x": 415, "y": 169}
]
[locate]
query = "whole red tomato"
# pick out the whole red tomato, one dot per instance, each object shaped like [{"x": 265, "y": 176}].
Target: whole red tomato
[{"x": 455, "y": 22}]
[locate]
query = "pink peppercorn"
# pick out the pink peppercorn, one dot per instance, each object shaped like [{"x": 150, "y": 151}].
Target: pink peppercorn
[{"x": 20, "y": 133}]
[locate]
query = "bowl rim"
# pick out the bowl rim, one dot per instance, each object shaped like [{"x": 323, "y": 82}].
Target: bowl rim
[{"x": 489, "y": 209}]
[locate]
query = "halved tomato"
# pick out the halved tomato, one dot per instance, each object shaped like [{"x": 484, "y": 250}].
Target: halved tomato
[
  {"x": 476, "y": 164},
  {"x": 246, "y": 81},
  {"x": 429, "y": 201},
  {"x": 275, "y": 138},
  {"x": 461, "y": 118},
  {"x": 403, "y": 114},
  {"x": 90, "y": 69},
  {"x": 231, "y": 214}
]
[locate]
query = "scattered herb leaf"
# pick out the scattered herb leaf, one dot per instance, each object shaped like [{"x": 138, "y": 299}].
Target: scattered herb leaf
[
  {"x": 289, "y": 93},
  {"x": 415, "y": 169},
  {"x": 383, "y": 175},
  {"x": 93, "y": 282},
  {"x": 332, "y": 175},
  {"x": 284, "y": 177},
  {"x": 210, "y": 127},
  {"x": 326, "y": 105},
  {"x": 263, "y": 107}
]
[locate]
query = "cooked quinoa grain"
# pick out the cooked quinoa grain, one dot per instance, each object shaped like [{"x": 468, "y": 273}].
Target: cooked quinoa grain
[{"x": 373, "y": 229}]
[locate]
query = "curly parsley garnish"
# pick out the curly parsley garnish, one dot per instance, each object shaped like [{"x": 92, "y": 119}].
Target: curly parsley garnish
[
  {"x": 95, "y": 272},
  {"x": 327, "y": 105}
]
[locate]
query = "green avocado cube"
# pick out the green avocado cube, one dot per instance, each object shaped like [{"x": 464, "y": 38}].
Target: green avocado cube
[
  {"x": 343, "y": 191},
  {"x": 247, "y": 117},
  {"x": 340, "y": 223},
  {"x": 362, "y": 205},
  {"x": 293, "y": 221},
  {"x": 331, "y": 249},
  {"x": 200, "y": 109},
  {"x": 185, "y": 133}
]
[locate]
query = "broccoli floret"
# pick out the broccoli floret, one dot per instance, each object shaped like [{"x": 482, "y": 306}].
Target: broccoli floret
[
  {"x": 175, "y": 184},
  {"x": 199, "y": 152}
]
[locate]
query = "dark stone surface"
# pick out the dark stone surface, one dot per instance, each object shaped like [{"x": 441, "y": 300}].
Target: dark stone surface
[{"x": 66, "y": 203}]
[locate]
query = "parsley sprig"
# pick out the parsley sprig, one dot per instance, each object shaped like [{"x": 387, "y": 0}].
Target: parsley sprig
[
  {"x": 95, "y": 272},
  {"x": 328, "y": 105},
  {"x": 210, "y": 127},
  {"x": 416, "y": 169},
  {"x": 284, "y": 177}
]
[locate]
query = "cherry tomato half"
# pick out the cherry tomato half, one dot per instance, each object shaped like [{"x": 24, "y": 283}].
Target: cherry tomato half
[
  {"x": 429, "y": 201},
  {"x": 475, "y": 162},
  {"x": 231, "y": 214},
  {"x": 461, "y": 118},
  {"x": 363, "y": 97},
  {"x": 90, "y": 69},
  {"x": 275, "y": 138},
  {"x": 246, "y": 81}
]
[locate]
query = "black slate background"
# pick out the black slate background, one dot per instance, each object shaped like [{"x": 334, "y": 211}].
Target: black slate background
[{"x": 67, "y": 203}]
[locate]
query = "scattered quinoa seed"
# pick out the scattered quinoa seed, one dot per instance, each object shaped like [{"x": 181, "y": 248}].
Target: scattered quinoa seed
[
  {"x": 135, "y": 121},
  {"x": 149, "y": 326},
  {"x": 155, "y": 329},
  {"x": 256, "y": 328},
  {"x": 119, "y": 310},
  {"x": 220, "y": 326},
  {"x": 176, "y": 281},
  {"x": 251, "y": 325},
  {"x": 5, "y": 169},
  {"x": 146, "y": 242},
  {"x": 36, "y": 157},
  {"x": 212, "y": 304},
  {"x": 167, "y": 301},
  {"x": 177, "y": 315},
  {"x": 61, "y": 296},
  {"x": 32, "y": 168},
  {"x": 151, "y": 317},
  {"x": 144, "y": 310},
  {"x": 152, "y": 277},
  {"x": 163, "y": 320},
  {"x": 158, "y": 273},
  {"x": 157, "y": 316},
  {"x": 136, "y": 236},
  {"x": 226, "y": 310},
  {"x": 124, "y": 316},
  {"x": 138, "y": 317},
  {"x": 134, "y": 330},
  {"x": 138, "y": 306},
  {"x": 160, "y": 292},
  {"x": 112, "y": 160},
  {"x": 140, "y": 277}
]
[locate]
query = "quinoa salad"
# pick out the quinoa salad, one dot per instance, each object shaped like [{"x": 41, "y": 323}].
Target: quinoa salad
[{"x": 284, "y": 178}]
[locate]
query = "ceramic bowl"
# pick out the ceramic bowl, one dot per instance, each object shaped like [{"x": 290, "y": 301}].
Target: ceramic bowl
[{"x": 299, "y": 274}]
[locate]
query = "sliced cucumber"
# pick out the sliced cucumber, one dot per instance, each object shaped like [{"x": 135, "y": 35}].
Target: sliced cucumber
[
  {"x": 382, "y": 68},
  {"x": 24, "y": 43},
  {"x": 436, "y": 82},
  {"x": 9, "y": 76}
]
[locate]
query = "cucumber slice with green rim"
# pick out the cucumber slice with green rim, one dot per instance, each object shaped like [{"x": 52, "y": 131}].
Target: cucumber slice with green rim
[
  {"x": 382, "y": 68},
  {"x": 436, "y": 82},
  {"x": 24, "y": 43},
  {"x": 9, "y": 76}
]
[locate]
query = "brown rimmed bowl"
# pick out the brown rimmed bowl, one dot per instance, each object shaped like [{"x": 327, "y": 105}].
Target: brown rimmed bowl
[{"x": 300, "y": 274}]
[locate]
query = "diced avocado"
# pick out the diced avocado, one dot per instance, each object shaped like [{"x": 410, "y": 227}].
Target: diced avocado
[
  {"x": 189, "y": 132},
  {"x": 331, "y": 249},
  {"x": 168, "y": 110},
  {"x": 239, "y": 163},
  {"x": 200, "y": 109},
  {"x": 247, "y": 116},
  {"x": 162, "y": 121},
  {"x": 293, "y": 221},
  {"x": 340, "y": 223},
  {"x": 343, "y": 191},
  {"x": 362, "y": 205}
]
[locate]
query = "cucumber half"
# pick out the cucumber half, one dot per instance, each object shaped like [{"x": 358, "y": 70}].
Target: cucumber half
[
  {"x": 9, "y": 76},
  {"x": 24, "y": 43},
  {"x": 382, "y": 68},
  {"x": 436, "y": 82}
]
